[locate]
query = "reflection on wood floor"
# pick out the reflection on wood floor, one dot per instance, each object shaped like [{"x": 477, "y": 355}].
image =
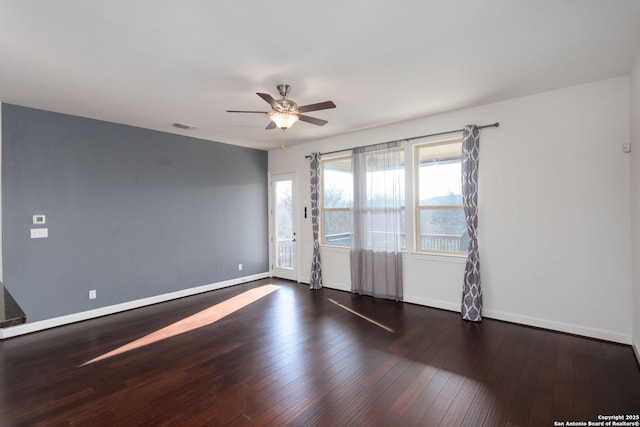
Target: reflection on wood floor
[{"x": 292, "y": 356}]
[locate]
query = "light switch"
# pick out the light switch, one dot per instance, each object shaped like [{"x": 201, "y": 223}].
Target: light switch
[
  {"x": 39, "y": 219},
  {"x": 39, "y": 233}
]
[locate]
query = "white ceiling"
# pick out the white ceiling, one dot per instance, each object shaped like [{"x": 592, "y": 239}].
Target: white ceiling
[{"x": 150, "y": 63}]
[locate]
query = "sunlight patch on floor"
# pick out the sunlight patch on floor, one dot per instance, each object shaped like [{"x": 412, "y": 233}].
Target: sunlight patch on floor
[
  {"x": 204, "y": 318},
  {"x": 386, "y": 328}
]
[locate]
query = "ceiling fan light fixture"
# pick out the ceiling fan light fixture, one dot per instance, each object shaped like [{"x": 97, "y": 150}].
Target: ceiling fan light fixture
[
  {"x": 286, "y": 112},
  {"x": 283, "y": 120}
]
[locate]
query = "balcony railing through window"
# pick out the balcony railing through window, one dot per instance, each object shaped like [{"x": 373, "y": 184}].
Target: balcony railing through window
[
  {"x": 444, "y": 242},
  {"x": 285, "y": 253},
  {"x": 450, "y": 243}
]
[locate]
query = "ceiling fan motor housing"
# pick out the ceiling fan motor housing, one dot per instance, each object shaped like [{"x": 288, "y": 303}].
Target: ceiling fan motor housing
[
  {"x": 288, "y": 106},
  {"x": 283, "y": 89}
]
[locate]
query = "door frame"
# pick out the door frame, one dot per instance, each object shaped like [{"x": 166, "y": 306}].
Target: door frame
[{"x": 274, "y": 270}]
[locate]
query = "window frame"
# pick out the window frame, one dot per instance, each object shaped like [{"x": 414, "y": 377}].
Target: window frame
[
  {"x": 323, "y": 209},
  {"x": 418, "y": 207}
]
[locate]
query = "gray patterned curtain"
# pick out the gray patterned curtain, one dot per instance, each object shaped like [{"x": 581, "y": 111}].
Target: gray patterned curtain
[
  {"x": 471, "y": 292},
  {"x": 316, "y": 267}
]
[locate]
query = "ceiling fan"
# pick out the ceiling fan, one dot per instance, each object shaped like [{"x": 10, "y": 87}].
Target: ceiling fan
[{"x": 286, "y": 112}]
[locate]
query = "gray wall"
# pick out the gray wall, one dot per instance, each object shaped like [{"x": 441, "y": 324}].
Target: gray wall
[{"x": 131, "y": 213}]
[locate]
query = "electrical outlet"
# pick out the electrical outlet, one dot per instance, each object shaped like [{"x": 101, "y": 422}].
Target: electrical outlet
[
  {"x": 239, "y": 267},
  {"x": 92, "y": 294}
]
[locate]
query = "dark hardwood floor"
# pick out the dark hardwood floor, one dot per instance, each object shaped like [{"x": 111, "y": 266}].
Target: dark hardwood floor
[{"x": 294, "y": 357}]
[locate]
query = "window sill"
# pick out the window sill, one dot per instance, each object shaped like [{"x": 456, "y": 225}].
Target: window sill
[
  {"x": 441, "y": 257},
  {"x": 456, "y": 259},
  {"x": 335, "y": 248}
]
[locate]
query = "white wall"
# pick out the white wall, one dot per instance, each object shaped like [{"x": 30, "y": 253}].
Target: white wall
[
  {"x": 1, "y": 288},
  {"x": 635, "y": 200},
  {"x": 554, "y": 211},
  {"x": 1, "y": 296}
]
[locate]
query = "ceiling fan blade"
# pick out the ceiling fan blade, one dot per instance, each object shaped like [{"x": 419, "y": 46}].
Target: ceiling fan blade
[
  {"x": 271, "y": 125},
  {"x": 315, "y": 107},
  {"x": 274, "y": 104},
  {"x": 312, "y": 120},
  {"x": 243, "y": 111}
]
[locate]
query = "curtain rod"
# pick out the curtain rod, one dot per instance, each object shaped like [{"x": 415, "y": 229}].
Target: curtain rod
[{"x": 496, "y": 124}]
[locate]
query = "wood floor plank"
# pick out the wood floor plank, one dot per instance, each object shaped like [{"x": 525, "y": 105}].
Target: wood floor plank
[
  {"x": 582, "y": 392},
  {"x": 624, "y": 393},
  {"x": 491, "y": 360},
  {"x": 601, "y": 384},
  {"x": 520, "y": 411},
  {"x": 295, "y": 358},
  {"x": 505, "y": 382},
  {"x": 563, "y": 388},
  {"x": 415, "y": 387}
]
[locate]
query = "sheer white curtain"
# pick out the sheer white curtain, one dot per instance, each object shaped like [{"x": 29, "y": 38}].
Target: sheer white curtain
[{"x": 378, "y": 192}]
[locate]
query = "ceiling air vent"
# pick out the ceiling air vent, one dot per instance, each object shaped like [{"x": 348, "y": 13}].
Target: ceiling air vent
[{"x": 183, "y": 126}]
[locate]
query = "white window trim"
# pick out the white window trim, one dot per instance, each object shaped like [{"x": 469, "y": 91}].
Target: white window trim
[
  {"x": 322, "y": 209},
  {"x": 411, "y": 206},
  {"x": 416, "y": 196}
]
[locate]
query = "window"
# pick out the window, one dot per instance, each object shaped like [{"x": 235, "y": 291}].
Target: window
[
  {"x": 440, "y": 223},
  {"x": 337, "y": 201},
  {"x": 382, "y": 208}
]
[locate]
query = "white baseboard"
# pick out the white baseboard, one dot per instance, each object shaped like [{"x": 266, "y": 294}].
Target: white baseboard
[
  {"x": 27, "y": 328},
  {"x": 445, "y": 305},
  {"x": 557, "y": 326},
  {"x": 521, "y": 320},
  {"x": 636, "y": 351},
  {"x": 529, "y": 321},
  {"x": 338, "y": 286},
  {"x": 41, "y": 325}
]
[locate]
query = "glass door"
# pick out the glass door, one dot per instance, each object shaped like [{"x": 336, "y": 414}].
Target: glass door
[{"x": 284, "y": 227}]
